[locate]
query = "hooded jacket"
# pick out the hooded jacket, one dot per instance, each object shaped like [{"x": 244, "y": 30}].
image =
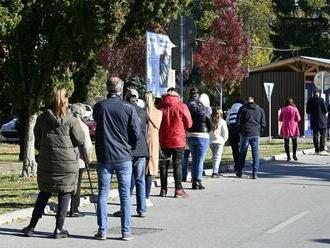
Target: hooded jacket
[
  {"x": 176, "y": 119},
  {"x": 56, "y": 139},
  {"x": 251, "y": 120}
]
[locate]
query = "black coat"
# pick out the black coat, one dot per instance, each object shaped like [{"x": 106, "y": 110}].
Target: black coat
[
  {"x": 202, "y": 121},
  {"x": 117, "y": 130},
  {"x": 251, "y": 120},
  {"x": 141, "y": 149},
  {"x": 317, "y": 110}
]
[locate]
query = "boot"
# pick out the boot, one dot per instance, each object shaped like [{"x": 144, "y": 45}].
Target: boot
[
  {"x": 199, "y": 184},
  {"x": 59, "y": 233},
  {"x": 194, "y": 183},
  {"x": 287, "y": 149},
  {"x": 294, "y": 149},
  {"x": 28, "y": 231}
]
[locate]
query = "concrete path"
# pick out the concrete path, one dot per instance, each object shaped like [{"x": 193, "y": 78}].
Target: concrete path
[{"x": 287, "y": 207}]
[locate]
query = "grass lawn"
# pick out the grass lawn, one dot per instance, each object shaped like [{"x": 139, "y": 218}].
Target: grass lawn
[{"x": 17, "y": 193}]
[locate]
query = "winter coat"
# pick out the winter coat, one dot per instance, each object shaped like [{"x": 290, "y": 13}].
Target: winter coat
[
  {"x": 290, "y": 118},
  {"x": 219, "y": 135},
  {"x": 176, "y": 119},
  {"x": 117, "y": 130},
  {"x": 56, "y": 139},
  {"x": 251, "y": 120},
  {"x": 155, "y": 119},
  {"x": 141, "y": 149},
  {"x": 85, "y": 151},
  {"x": 317, "y": 110}
]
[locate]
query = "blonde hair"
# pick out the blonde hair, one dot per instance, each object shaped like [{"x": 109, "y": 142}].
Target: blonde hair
[
  {"x": 217, "y": 117},
  {"x": 59, "y": 102},
  {"x": 149, "y": 101}
]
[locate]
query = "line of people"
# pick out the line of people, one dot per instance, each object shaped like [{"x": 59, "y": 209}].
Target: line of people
[{"x": 135, "y": 143}]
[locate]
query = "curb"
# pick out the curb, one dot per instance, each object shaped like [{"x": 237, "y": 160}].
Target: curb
[{"x": 113, "y": 194}]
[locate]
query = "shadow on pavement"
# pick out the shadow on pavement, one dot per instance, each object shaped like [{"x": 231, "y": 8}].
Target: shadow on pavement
[
  {"x": 297, "y": 169},
  {"x": 323, "y": 241}
]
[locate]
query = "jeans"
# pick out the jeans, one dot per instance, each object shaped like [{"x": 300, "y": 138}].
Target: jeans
[
  {"x": 319, "y": 146},
  {"x": 177, "y": 156},
  {"x": 245, "y": 142},
  {"x": 138, "y": 180},
  {"x": 234, "y": 139},
  {"x": 62, "y": 209},
  {"x": 217, "y": 150},
  {"x": 198, "y": 147},
  {"x": 124, "y": 173},
  {"x": 185, "y": 162},
  {"x": 148, "y": 185}
]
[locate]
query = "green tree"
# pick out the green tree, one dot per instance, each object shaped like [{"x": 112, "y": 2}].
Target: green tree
[
  {"x": 49, "y": 43},
  {"x": 258, "y": 17},
  {"x": 302, "y": 26}
]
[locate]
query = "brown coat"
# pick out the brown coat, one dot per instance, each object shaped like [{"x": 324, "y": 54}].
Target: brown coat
[{"x": 155, "y": 118}]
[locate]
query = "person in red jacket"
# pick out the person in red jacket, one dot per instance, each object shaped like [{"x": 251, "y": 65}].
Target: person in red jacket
[{"x": 172, "y": 137}]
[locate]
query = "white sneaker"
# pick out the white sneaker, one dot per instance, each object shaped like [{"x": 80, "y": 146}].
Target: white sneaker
[
  {"x": 149, "y": 203},
  {"x": 324, "y": 153}
]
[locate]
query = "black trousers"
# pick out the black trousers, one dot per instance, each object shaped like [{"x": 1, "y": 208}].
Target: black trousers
[
  {"x": 234, "y": 140},
  {"x": 177, "y": 156},
  {"x": 319, "y": 139},
  {"x": 287, "y": 146},
  {"x": 75, "y": 198},
  {"x": 42, "y": 200}
]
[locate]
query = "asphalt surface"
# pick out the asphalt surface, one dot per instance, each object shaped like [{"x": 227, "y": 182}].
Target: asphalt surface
[{"x": 287, "y": 207}]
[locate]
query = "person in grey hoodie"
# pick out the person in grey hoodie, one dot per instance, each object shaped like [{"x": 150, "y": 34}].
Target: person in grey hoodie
[
  {"x": 251, "y": 122},
  {"x": 57, "y": 135}
]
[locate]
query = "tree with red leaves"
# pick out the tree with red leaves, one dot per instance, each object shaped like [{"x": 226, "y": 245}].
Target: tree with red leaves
[{"x": 221, "y": 55}]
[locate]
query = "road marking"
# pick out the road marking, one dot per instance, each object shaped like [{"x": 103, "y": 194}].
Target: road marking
[{"x": 287, "y": 222}]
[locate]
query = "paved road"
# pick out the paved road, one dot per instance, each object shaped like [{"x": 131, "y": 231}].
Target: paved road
[{"x": 287, "y": 207}]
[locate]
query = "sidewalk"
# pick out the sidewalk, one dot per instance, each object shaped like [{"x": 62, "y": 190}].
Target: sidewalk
[
  {"x": 25, "y": 213},
  {"x": 208, "y": 218}
]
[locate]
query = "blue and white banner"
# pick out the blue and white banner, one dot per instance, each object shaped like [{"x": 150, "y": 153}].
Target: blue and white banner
[{"x": 160, "y": 76}]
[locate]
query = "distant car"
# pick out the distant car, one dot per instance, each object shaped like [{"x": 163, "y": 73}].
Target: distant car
[
  {"x": 9, "y": 131},
  {"x": 91, "y": 126}
]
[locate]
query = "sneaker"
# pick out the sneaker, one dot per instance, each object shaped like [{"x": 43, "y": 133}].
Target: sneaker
[
  {"x": 100, "y": 235},
  {"x": 324, "y": 153},
  {"x": 76, "y": 214},
  {"x": 163, "y": 192},
  {"x": 28, "y": 231},
  {"x": 149, "y": 203},
  {"x": 60, "y": 234},
  {"x": 127, "y": 237},
  {"x": 117, "y": 214},
  {"x": 142, "y": 215},
  {"x": 215, "y": 175},
  {"x": 295, "y": 158},
  {"x": 180, "y": 193},
  {"x": 239, "y": 174}
]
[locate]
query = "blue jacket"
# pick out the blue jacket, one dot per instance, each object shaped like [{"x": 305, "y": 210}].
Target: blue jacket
[{"x": 117, "y": 131}]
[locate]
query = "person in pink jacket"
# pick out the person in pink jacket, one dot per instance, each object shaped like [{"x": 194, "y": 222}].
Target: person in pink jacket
[{"x": 290, "y": 118}]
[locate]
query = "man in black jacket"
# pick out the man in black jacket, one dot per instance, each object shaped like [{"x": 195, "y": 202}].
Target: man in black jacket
[
  {"x": 250, "y": 122},
  {"x": 317, "y": 110},
  {"x": 117, "y": 132}
]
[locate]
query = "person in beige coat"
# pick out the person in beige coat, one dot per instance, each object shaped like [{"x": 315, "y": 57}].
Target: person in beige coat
[
  {"x": 85, "y": 158},
  {"x": 154, "y": 121}
]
